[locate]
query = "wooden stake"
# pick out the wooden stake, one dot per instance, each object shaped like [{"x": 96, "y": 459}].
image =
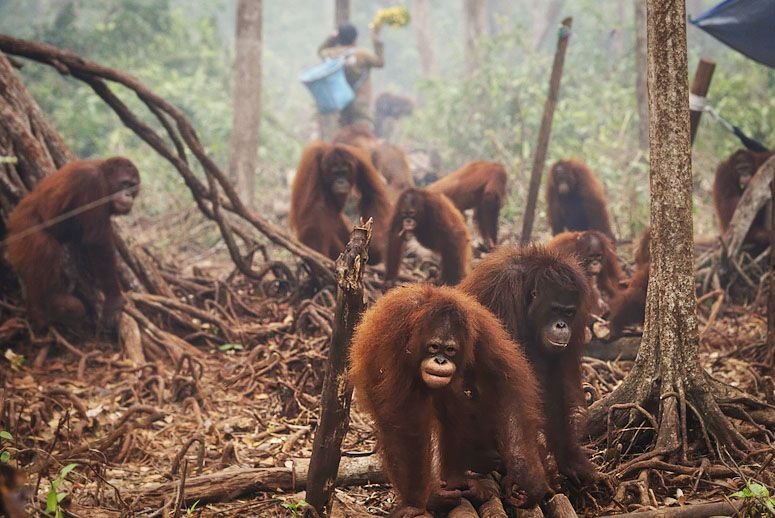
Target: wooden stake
[
  {"x": 700, "y": 87},
  {"x": 771, "y": 297},
  {"x": 546, "y": 129},
  {"x": 337, "y": 390}
]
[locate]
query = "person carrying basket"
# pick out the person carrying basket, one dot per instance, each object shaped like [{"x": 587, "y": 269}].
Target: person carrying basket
[{"x": 357, "y": 64}]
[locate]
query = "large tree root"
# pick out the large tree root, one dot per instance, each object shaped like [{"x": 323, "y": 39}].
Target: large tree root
[
  {"x": 693, "y": 406},
  {"x": 681, "y": 423}
]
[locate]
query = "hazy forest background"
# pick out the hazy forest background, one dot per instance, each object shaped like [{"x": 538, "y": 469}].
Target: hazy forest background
[{"x": 184, "y": 51}]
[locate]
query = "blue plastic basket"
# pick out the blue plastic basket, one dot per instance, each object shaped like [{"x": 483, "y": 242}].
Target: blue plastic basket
[{"x": 328, "y": 85}]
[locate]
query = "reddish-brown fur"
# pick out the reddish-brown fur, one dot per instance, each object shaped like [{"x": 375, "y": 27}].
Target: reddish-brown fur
[
  {"x": 587, "y": 246},
  {"x": 641, "y": 254},
  {"x": 357, "y": 135},
  {"x": 522, "y": 286},
  {"x": 491, "y": 403},
  {"x": 478, "y": 185},
  {"x": 79, "y": 249},
  {"x": 390, "y": 160},
  {"x": 316, "y": 212},
  {"x": 583, "y": 207},
  {"x": 629, "y": 306},
  {"x": 439, "y": 226},
  {"x": 727, "y": 191}
]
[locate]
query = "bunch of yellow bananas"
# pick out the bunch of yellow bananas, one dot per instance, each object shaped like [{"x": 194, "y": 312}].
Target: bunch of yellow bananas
[{"x": 396, "y": 16}]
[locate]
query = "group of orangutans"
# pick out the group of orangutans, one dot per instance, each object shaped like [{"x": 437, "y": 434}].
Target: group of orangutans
[
  {"x": 479, "y": 375},
  {"x": 379, "y": 177},
  {"x": 485, "y": 373}
]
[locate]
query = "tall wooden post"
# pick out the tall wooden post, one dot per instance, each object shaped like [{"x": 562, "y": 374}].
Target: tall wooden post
[
  {"x": 546, "y": 129},
  {"x": 771, "y": 297},
  {"x": 698, "y": 91},
  {"x": 337, "y": 390}
]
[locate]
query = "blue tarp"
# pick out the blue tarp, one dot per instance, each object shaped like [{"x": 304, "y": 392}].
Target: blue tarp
[{"x": 747, "y": 26}]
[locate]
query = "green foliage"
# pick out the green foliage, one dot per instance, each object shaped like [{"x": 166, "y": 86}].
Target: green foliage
[
  {"x": 5, "y": 455},
  {"x": 496, "y": 114},
  {"x": 296, "y": 508},
  {"x": 230, "y": 347},
  {"x": 54, "y": 496},
  {"x": 16, "y": 360},
  {"x": 184, "y": 52},
  {"x": 756, "y": 500},
  {"x": 192, "y": 509}
]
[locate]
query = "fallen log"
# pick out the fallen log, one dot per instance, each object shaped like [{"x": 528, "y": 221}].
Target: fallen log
[
  {"x": 235, "y": 481},
  {"x": 464, "y": 510},
  {"x": 492, "y": 508},
  {"x": 533, "y": 512},
  {"x": 559, "y": 507},
  {"x": 625, "y": 348},
  {"x": 687, "y": 511}
]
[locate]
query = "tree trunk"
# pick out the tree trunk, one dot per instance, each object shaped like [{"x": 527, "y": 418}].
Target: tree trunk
[
  {"x": 421, "y": 20},
  {"x": 616, "y": 38},
  {"x": 31, "y": 146},
  {"x": 342, "y": 12},
  {"x": 641, "y": 90},
  {"x": 544, "y": 20},
  {"x": 473, "y": 28},
  {"x": 667, "y": 379},
  {"x": 247, "y": 100}
]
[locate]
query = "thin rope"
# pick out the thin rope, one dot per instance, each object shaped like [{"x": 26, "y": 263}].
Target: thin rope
[
  {"x": 62, "y": 217},
  {"x": 716, "y": 115}
]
